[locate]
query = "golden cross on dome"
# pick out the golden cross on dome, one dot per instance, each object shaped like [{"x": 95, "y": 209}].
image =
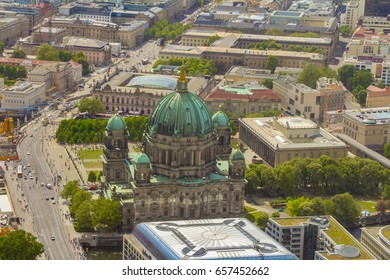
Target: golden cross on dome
[{"x": 182, "y": 77}]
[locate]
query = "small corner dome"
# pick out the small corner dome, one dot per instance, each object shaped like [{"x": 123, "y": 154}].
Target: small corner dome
[
  {"x": 116, "y": 123},
  {"x": 236, "y": 154},
  {"x": 220, "y": 119},
  {"x": 142, "y": 158}
]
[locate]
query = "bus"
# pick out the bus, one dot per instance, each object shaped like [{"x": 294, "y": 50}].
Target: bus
[{"x": 20, "y": 171}]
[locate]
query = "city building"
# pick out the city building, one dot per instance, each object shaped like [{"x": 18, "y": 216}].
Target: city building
[
  {"x": 377, "y": 97},
  {"x": 195, "y": 37},
  {"x": 379, "y": 8},
  {"x": 332, "y": 96},
  {"x": 374, "y": 64},
  {"x": 211, "y": 239},
  {"x": 314, "y": 7},
  {"x": 242, "y": 99},
  {"x": 225, "y": 58},
  {"x": 138, "y": 94},
  {"x": 354, "y": 11},
  {"x": 57, "y": 76},
  {"x": 179, "y": 174},
  {"x": 172, "y": 9},
  {"x": 22, "y": 95},
  {"x": 316, "y": 238},
  {"x": 277, "y": 140},
  {"x": 369, "y": 127},
  {"x": 366, "y": 43},
  {"x": 86, "y": 10},
  {"x": 12, "y": 28},
  {"x": 128, "y": 35},
  {"x": 48, "y": 35},
  {"x": 28, "y": 63},
  {"x": 377, "y": 241},
  {"x": 377, "y": 24},
  {"x": 240, "y": 74},
  {"x": 96, "y": 51}
]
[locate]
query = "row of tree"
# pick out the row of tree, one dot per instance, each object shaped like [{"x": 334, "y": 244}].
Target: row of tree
[
  {"x": 85, "y": 131},
  {"x": 341, "y": 206},
  {"x": 280, "y": 32},
  {"x": 321, "y": 176},
  {"x": 101, "y": 214},
  {"x": 163, "y": 29},
  {"x": 272, "y": 45},
  {"x": 19, "y": 54},
  {"x": 13, "y": 72},
  {"x": 48, "y": 52},
  {"x": 192, "y": 66}
]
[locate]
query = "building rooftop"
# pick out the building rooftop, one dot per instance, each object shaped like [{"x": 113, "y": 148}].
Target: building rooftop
[
  {"x": 153, "y": 81},
  {"x": 209, "y": 239},
  {"x": 304, "y": 133},
  {"x": 338, "y": 234},
  {"x": 84, "y": 42},
  {"x": 371, "y": 116},
  {"x": 23, "y": 87}
]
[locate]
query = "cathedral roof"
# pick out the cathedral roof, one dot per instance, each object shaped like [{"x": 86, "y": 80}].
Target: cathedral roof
[
  {"x": 220, "y": 119},
  {"x": 181, "y": 113},
  {"x": 142, "y": 159},
  {"x": 236, "y": 154},
  {"x": 116, "y": 123}
]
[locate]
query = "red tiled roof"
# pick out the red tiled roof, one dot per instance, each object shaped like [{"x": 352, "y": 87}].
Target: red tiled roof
[
  {"x": 373, "y": 91},
  {"x": 220, "y": 94}
]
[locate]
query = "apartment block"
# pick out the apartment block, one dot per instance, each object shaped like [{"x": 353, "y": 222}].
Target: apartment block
[
  {"x": 377, "y": 241},
  {"x": 22, "y": 95},
  {"x": 317, "y": 238}
]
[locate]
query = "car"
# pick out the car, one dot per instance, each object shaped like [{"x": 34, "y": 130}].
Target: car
[
  {"x": 31, "y": 135},
  {"x": 52, "y": 237},
  {"x": 48, "y": 185},
  {"x": 31, "y": 177},
  {"x": 42, "y": 184},
  {"x": 47, "y": 198},
  {"x": 28, "y": 164},
  {"x": 35, "y": 128},
  {"x": 28, "y": 153},
  {"x": 52, "y": 198},
  {"x": 24, "y": 167},
  {"x": 92, "y": 188}
]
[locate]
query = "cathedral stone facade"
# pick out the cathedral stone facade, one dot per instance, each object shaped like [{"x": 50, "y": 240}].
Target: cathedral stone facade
[{"x": 187, "y": 169}]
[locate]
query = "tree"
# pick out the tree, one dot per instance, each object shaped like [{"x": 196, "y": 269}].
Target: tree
[
  {"x": 346, "y": 73},
  {"x": 271, "y": 63},
  {"x": 262, "y": 219},
  {"x": 77, "y": 199},
  {"x": 293, "y": 205},
  {"x": 360, "y": 94},
  {"x": 383, "y": 205},
  {"x": 20, "y": 245},
  {"x": 233, "y": 127},
  {"x": 212, "y": 39},
  {"x": 309, "y": 75},
  {"x": 19, "y": 54},
  {"x": 107, "y": 214},
  {"x": 361, "y": 78},
  {"x": 64, "y": 55},
  {"x": 92, "y": 176},
  {"x": 386, "y": 192},
  {"x": 82, "y": 59},
  {"x": 346, "y": 31},
  {"x": 91, "y": 105},
  {"x": 70, "y": 188},
  {"x": 275, "y": 32},
  {"x": 83, "y": 217},
  {"x": 1, "y": 48},
  {"x": 268, "y": 83},
  {"x": 47, "y": 52},
  {"x": 345, "y": 209}
]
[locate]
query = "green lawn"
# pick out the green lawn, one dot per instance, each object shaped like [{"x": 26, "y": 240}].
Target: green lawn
[
  {"x": 367, "y": 205},
  {"x": 93, "y": 164},
  {"x": 90, "y": 154},
  {"x": 253, "y": 216},
  {"x": 249, "y": 209}
]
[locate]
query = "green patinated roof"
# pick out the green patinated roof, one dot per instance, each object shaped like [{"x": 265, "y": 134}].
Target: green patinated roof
[
  {"x": 236, "y": 154},
  {"x": 181, "y": 114},
  {"x": 116, "y": 123},
  {"x": 142, "y": 159},
  {"x": 220, "y": 119}
]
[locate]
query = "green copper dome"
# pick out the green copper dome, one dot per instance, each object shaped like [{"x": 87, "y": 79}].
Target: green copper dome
[
  {"x": 236, "y": 154},
  {"x": 181, "y": 113},
  {"x": 116, "y": 123},
  {"x": 142, "y": 158},
  {"x": 220, "y": 119}
]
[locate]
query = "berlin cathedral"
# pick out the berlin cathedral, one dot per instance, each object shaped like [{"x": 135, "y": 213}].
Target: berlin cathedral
[{"x": 187, "y": 169}]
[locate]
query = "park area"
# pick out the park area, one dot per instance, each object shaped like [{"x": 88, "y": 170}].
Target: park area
[{"x": 91, "y": 159}]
